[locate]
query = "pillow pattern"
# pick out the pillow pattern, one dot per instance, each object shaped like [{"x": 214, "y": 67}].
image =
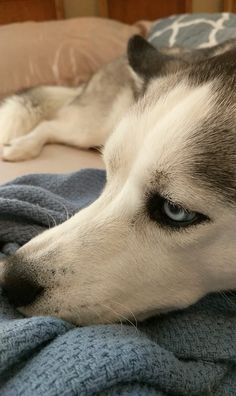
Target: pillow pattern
[{"x": 193, "y": 30}]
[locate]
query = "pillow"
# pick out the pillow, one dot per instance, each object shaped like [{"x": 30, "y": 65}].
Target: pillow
[
  {"x": 193, "y": 30},
  {"x": 63, "y": 52}
]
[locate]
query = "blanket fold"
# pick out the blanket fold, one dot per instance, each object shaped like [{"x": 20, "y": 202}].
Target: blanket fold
[{"x": 189, "y": 352}]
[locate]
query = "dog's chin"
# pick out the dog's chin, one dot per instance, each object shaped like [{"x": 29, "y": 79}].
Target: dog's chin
[
  {"x": 29, "y": 312},
  {"x": 78, "y": 317},
  {"x": 82, "y": 317}
]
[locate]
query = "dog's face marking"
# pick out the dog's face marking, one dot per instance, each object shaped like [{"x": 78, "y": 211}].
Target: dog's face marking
[{"x": 162, "y": 233}]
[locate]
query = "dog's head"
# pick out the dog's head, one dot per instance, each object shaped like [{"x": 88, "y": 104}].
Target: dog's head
[{"x": 162, "y": 234}]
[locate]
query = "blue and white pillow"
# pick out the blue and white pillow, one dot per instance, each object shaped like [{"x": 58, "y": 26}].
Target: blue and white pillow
[{"x": 193, "y": 30}]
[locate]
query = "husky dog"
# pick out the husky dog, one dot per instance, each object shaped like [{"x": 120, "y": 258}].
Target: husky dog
[{"x": 162, "y": 233}]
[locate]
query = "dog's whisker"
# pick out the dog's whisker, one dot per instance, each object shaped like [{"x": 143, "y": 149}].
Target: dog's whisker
[
  {"x": 129, "y": 310},
  {"x": 111, "y": 322},
  {"x": 111, "y": 310},
  {"x": 52, "y": 218},
  {"x": 119, "y": 315},
  {"x": 68, "y": 214},
  {"x": 227, "y": 299},
  {"x": 232, "y": 293},
  {"x": 99, "y": 315},
  {"x": 48, "y": 216}
]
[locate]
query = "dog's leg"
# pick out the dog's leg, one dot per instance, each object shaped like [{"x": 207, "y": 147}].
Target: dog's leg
[
  {"x": 66, "y": 131},
  {"x": 83, "y": 126},
  {"x": 30, "y": 145},
  {"x": 20, "y": 113}
]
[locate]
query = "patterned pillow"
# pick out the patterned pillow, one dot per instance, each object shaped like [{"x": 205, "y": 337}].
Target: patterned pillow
[{"x": 193, "y": 30}]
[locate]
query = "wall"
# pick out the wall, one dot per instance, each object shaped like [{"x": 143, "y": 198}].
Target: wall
[
  {"x": 75, "y": 8},
  {"x": 207, "y": 5}
]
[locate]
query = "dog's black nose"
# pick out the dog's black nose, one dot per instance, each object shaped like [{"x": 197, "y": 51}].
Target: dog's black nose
[
  {"x": 21, "y": 292},
  {"x": 19, "y": 288}
]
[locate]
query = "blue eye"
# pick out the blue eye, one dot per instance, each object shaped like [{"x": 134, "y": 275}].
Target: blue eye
[
  {"x": 169, "y": 214},
  {"x": 177, "y": 213}
]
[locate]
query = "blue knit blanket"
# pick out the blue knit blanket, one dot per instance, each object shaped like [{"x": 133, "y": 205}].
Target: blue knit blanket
[{"x": 190, "y": 352}]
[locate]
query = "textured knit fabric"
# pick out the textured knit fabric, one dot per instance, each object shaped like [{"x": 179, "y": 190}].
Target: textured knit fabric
[
  {"x": 190, "y": 352},
  {"x": 193, "y": 30}
]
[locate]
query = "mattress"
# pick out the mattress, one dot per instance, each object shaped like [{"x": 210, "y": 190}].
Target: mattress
[{"x": 54, "y": 158}]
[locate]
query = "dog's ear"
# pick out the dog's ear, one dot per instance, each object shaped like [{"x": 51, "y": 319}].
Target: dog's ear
[{"x": 144, "y": 59}]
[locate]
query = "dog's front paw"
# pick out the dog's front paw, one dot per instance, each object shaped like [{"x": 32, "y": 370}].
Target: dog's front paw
[
  {"x": 20, "y": 149},
  {"x": 7, "y": 131},
  {"x": 13, "y": 120}
]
